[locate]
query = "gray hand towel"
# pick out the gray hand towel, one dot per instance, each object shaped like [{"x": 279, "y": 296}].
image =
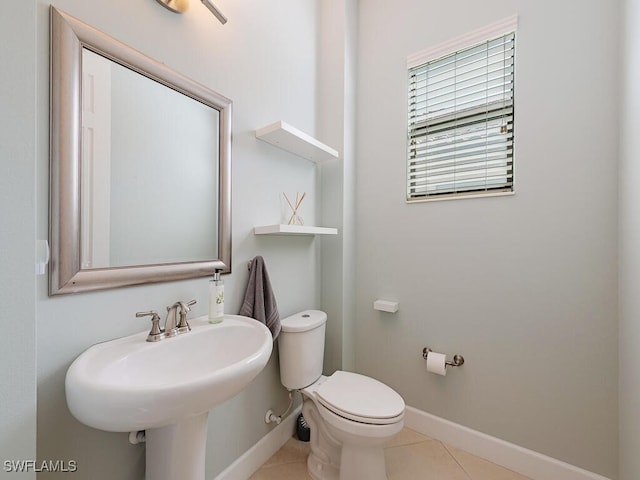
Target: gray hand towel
[{"x": 259, "y": 300}]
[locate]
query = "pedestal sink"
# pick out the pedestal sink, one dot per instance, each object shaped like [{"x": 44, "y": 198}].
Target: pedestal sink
[{"x": 167, "y": 388}]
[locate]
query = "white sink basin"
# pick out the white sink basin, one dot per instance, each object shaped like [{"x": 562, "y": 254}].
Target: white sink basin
[{"x": 129, "y": 384}]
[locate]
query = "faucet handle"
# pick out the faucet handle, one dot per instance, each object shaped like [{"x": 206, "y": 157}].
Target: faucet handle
[
  {"x": 183, "y": 325},
  {"x": 156, "y": 333},
  {"x": 184, "y": 306}
]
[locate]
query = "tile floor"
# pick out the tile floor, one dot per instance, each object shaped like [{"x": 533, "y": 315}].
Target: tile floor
[{"x": 410, "y": 456}]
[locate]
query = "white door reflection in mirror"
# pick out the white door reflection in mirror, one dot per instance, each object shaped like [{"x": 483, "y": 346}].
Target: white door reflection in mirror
[{"x": 96, "y": 153}]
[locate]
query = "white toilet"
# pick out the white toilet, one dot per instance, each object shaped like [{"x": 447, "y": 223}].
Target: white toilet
[{"x": 351, "y": 416}]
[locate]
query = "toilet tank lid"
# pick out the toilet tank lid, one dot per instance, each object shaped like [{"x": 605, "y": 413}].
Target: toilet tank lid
[{"x": 303, "y": 321}]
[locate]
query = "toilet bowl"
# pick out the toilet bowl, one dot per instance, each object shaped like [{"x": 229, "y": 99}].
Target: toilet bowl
[
  {"x": 354, "y": 417},
  {"x": 351, "y": 416}
]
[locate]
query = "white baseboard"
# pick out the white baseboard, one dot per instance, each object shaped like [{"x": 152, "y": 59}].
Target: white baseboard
[
  {"x": 526, "y": 462},
  {"x": 251, "y": 460}
]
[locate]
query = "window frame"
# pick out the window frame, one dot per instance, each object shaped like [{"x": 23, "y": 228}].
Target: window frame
[{"x": 470, "y": 40}]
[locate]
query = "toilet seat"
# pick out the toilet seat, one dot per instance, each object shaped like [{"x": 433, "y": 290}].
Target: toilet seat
[{"x": 360, "y": 398}]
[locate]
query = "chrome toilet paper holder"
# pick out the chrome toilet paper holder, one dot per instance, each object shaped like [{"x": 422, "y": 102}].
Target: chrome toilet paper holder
[{"x": 458, "y": 360}]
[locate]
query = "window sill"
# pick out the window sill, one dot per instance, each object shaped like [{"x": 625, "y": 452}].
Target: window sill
[{"x": 459, "y": 197}]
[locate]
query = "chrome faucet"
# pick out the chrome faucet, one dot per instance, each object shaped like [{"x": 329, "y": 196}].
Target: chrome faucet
[
  {"x": 172, "y": 326},
  {"x": 170, "y": 323}
]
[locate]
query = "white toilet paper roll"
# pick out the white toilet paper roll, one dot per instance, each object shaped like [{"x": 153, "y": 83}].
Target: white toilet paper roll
[{"x": 436, "y": 363}]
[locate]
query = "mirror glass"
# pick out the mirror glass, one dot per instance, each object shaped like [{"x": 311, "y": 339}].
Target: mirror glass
[
  {"x": 149, "y": 190},
  {"x": 140, "y": 167}
]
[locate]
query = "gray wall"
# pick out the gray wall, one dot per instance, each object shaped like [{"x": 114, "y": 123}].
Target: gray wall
[
  {"x": 524, "y": 286},
  {"x": 17, "y": 235},
  {"x": 536, "y": 318},
  {"x": 254, "y": 61},
  {"x": 337, "y": 60},
  {"x": 629, "y": 259}
]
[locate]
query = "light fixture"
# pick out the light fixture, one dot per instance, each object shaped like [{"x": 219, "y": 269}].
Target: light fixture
[
  {"x": 218, "y": 14},
  {"x": 179, "y": 6}
]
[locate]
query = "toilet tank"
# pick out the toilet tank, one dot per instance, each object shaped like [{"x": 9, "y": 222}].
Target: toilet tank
[{"x": 301, "y": 348}]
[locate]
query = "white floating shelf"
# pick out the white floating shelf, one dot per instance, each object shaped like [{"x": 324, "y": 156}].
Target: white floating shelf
[
  {"x": 294, "y": 230},
  {"x": 289, "y": 138}
]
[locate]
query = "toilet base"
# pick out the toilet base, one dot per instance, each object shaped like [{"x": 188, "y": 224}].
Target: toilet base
[
  {"x": 338, "y": 455},
  {"x": 323, "y": 462},
  {"x": 362, "y": 463}
]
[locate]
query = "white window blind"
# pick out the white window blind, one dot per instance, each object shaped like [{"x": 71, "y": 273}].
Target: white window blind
[{"x": 461, "y": 122}]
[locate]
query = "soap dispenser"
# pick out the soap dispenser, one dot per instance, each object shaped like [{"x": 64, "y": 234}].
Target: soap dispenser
[{"x": 216, "y": 298}]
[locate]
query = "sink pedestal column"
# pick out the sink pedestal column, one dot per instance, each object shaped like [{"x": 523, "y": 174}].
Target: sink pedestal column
[{"x": 177, "y": 450}]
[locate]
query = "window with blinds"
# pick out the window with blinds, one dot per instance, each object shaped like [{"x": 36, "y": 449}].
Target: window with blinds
[{"x": 460, "y": 135}]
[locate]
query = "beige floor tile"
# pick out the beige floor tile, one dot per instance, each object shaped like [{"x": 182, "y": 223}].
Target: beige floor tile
[
  {"x": 427, "y": 460},
  {"x": 292, "y": 451},
  {"x": 285, "y": 471},
  {"x": 409, "y": 456},
  {"x": 406, "y": 437},
  {"x": 481, "y": 469}
]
